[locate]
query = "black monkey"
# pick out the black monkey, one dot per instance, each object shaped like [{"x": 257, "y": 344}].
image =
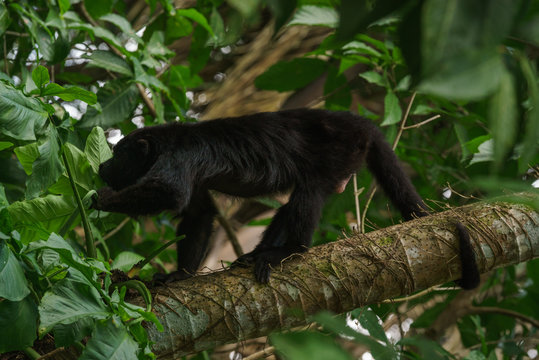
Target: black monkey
[{"x": 311, "y": 152}]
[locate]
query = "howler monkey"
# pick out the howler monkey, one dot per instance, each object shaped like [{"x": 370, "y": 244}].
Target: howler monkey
[{"x": 313, "y": 153}]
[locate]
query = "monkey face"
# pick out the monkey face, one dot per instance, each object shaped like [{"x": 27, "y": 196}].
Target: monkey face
[{"x": 132, "y": 158}]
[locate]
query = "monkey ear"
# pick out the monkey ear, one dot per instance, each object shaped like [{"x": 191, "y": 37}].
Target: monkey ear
[{"x": 144, "y": 146}]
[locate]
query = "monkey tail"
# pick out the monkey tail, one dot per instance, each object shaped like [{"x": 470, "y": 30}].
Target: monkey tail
[{"x": 384, "y": 164}]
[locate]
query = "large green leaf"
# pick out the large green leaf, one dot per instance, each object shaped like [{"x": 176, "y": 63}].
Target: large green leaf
[
  {"x": 18, "y": 324},
  {"x": 118, "y": 100},
  {"x": 97, "y": 149},
  {"x": 26, "y": 155},
  {"x": 195, "y": 15},
  {"x": 503, "y": 116},
  {"x": 108, "y": 60},
  {"x": 70, "y": 93},
  {"x": 459, "y": 42},
  {"x": 13, "y": 284},
  {"x": 110, "y": 340},
  {"x": 68, "y": 302},
  {"x": 37, "y": 218},
  {"x": 20, "y": 116},
  {"x": 472, "y": 76},
  {"x": 47, "y": 168},
  {"x": 291, "y": 75}
]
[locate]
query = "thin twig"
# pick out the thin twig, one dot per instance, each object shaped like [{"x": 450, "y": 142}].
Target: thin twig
[
  {"x": 229, "y": 230},
  {"x": 116, "y": 229},
  {"x": 270, "y": 350},
  {"x": 422, "y": 122},
  {"x": 502, "y": 311},
  {"x": 394, "y": 146},
  {"x": 356, "y": 199}
]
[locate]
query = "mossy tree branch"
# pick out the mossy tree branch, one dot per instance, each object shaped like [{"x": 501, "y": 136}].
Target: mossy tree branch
[{"x": 228, "y": 306}]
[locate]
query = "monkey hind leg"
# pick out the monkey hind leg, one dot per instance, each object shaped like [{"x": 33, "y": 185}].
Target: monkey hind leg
[{"x": 470, "y": 273}]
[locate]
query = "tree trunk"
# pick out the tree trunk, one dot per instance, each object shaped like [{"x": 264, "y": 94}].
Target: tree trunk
[{"x": 228, "y": 306}]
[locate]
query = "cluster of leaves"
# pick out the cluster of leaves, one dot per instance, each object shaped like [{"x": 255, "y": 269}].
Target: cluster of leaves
[{"x": 468, "y": 64}]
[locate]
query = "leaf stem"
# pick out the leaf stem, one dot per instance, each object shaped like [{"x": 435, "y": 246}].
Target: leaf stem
[{"x": 90, "y": 246}]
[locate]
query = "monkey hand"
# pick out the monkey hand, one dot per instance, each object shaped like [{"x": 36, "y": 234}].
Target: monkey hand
[
  {"x": 264, "y": 259},
  {"x": 101, "y": 197}
]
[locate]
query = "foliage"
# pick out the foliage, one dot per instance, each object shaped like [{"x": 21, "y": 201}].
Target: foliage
[{"x": 71, "y": 70}]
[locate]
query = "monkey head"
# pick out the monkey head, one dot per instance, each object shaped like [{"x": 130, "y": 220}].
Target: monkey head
[{"x": 132, "y": 157}]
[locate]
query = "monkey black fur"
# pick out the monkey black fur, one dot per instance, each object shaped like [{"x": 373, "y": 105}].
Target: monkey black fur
[{"x": 311, "y": 152}]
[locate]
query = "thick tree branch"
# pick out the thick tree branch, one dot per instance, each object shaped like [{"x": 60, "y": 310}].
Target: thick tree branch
[{"x": 228, "y": 306}]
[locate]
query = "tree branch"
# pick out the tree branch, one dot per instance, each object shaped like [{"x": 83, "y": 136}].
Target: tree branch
[{"x": 228, "y": 306}]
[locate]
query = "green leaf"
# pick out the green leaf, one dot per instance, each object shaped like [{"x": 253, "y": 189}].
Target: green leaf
[
  {"x": 38, "y": 217},
  {"x": 67, "y": 335},
  {"x": 27, "y": 154},
  {"x": 315, "y": 15},
  {"x": 374, "y": 78},
  {"x": 392, "y": 109},
  {"x": 427, "y": 349},
  {"x": 68, "y": 302},
  {"x": 195, "y": 15},
  {"x": 471, "y": 76},
  {"x": 369, "y": 321},
  {"x": 5, "y": 145},
  {"x": 18, "y": 324},
  {"x": 503, "y": 116},
  {"x": 281, "y": 10},
  {"x": 110, "y": 340},
  {"x": 108, "y": 60},
  {"x": 69, "y": 94},
  {"x": 47, "y": 168},
  {"x": 338, "y": 326},
  {"x": 5, "y": 20},
  {"x": 291, "y": 75},
  {"x": 126, "y": 260},
  {"x": 117, "y": 99},
  {"x": 308, "y": 346},
  {"x": 20, "y": 116},
  {"x": 64, "y": 5},
  {"x": 459, "y": 40},
  {"x": 13, "y": 285},
  {"x": 40, "y": 76},
  {"x": 97, "y": 149},
  {"x": 54, "y": 49},
  {"x": 122, "y": 23},
  {"x": 80, "y": 167},
  {"x": 98, "y": 8},
  {"x": 532, "y": 117}
]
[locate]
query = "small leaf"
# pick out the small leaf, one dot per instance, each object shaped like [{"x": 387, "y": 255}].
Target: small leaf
[
  {"x": 47, "y": 168},
  {"x": 126, "y": 260},
  {"x": 97, "y": 149},
  {"x": 195, "y": 15},
  {"x": 71, "y": 93},
  {"x": 374, "y": 78},
  {"x": 40, "y": 76},
  {"x": 308, "y": 345},
  {"x": 5, "y": 145},
  {"x": 291, "y": 75},
  {"x": 315, "y": 15},
  {"x": 27, "y": 154},
  {"x": 392, "y": 109},
  {"x": 108, "y": 60},
  {"x": 246, "y": 7},
  {"x": 117, "y": 99},
  {"x": 369, "y": 321}
]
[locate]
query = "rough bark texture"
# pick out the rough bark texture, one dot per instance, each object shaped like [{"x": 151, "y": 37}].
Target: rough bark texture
[{"x": 227, "y": 306}]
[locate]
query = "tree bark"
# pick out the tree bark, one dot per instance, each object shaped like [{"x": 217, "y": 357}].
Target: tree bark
[{"x": 228, "y": 306}]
